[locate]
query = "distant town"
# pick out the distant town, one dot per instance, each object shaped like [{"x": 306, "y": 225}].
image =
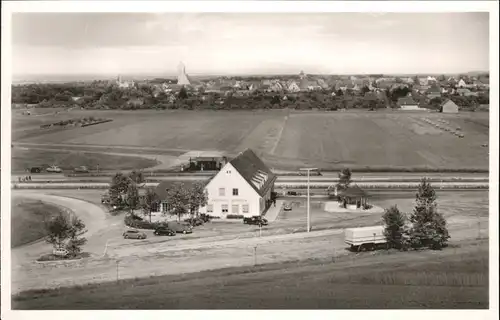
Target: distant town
[{"x": 301, "y": 91}]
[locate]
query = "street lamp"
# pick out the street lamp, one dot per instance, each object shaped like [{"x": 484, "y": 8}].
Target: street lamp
[{"x": 308, "y": 196}]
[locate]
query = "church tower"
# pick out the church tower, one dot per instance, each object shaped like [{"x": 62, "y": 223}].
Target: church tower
[{"x": 182, "y": 78}]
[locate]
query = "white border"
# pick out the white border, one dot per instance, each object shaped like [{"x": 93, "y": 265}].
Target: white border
[{"x": 248, "y": 6}]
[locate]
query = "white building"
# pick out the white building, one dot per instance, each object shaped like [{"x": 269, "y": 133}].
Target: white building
[{"x": 242, "y": 187}]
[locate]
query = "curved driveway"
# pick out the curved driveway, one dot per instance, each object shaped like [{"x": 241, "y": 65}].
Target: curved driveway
[{"x": 94, "y": 217}]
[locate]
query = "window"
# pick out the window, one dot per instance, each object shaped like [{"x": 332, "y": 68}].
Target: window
[
  {"x": 235, "y": 192},
  {"x": 225, "y": 208},
  {"x": 210, "y": 208},
  {"x": 235, "y": 208},
  {"x": 222, "y": 192},
  {"x": 245, "y": 208}
]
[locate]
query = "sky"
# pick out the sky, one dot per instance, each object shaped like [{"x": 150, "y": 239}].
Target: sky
[{"x": 249, "y": 43}]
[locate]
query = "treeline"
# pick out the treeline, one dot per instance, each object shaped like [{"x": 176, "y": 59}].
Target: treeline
[{"x": 101, "y": 95}]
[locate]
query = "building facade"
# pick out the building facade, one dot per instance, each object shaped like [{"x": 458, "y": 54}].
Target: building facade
[{"x": 243, "y": 187}]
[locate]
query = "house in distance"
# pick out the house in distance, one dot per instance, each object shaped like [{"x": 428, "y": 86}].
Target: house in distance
[{"x": 449, "y": 106}]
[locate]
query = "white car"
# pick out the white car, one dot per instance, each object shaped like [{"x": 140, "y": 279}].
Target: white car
[
  {"x": 61, "y": 252},
  {"x": 54, "y": 169}
]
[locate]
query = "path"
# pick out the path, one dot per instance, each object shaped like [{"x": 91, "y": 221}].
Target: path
[{"x": 274, "y": 211}]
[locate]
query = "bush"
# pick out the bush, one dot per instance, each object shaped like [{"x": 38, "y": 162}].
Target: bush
[
  {"x": 235, "y": 216},
  {"x": 137, "y": 222}
]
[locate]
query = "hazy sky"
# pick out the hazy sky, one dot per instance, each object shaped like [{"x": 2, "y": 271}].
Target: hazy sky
[{"x": 113, "y": 43}]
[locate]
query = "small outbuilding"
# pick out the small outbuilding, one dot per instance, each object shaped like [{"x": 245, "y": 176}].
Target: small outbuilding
[
  {"x": 353, "y": 197},
  {"x": 449, "y": 106}
]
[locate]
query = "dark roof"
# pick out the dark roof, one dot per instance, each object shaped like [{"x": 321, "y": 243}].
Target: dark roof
[
  {"x": 353, "y": 191},
  {"x": 405, "y": 101},
  {"x": 250, "y": 167},
  {"x": 162, "y": 187},
  {"x": 434, "y": 89}
]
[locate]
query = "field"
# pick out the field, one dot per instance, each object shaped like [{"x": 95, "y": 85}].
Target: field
[
  {"x": 329, "y": 140},
  {"x": 438, "y": 280},
  {"x": 68, "y": 160},
  {"x": 28, "y": 218}
]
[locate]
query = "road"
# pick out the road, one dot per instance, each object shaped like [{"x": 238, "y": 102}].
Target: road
[{"x": 278, "y": 185}]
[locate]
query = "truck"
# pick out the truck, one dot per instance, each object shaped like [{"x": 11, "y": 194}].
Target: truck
[{"x": 365, "y": 238}]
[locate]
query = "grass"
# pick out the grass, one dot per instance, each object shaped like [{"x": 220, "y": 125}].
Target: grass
[
  {"x": 327, "y": 140},
  {"x": 22, "y": 159},
  {"x": 424, "y": 279},
  {"x": 28, "y": 218}
]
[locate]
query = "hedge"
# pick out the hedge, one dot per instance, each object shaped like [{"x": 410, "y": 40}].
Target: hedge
[
  {"x": 139, "y": 223},
  {"x": 235, "y": 216}
]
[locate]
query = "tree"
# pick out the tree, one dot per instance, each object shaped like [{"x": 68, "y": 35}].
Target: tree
[
  {"x": 339, "y": 93},
  {"x": 198, "y": 197},
  {"x": 136, "y": 176},
  {"x": 118, "y": 188},
  {"x": 63, "y": 231},
  {"x": 178, "y": 200},
  {"x": 183, "y": 93},
  {"x": 149, "y": 201},
  {"x": 365, "y": 89},
  {"x": 75, "y": 243},
  {"x": 132, "y": 199},
  {"x": 394, "y": 222},
  {"x": 428, "y": 225},
  {"x": 344, "y": 178}
]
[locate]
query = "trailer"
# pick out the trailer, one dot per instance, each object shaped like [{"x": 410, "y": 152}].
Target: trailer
[{"x": 365, "y": 238}]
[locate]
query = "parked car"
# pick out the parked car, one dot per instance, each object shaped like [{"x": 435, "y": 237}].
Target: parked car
[
  {"x": 61, "y": 252},
  {"x": 81, "y": 169},
  {"x": 35, "y": 169},
  {"x": 164, "y": 231},
  {"x": 180, "y": 227},
  {"x": 256, "y": 220},
  {"x": 105, "y": 199},
  {"x": 134, "y": 234},
  {"x": 287, "y": 207},
  {"x": 54, "y": 169}
]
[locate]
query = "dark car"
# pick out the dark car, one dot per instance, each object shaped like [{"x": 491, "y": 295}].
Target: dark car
[
  {"x": 180, "y": 227},
  {"x": 164, "y": 231},
  {"x": 35, "y": 169},
  {"x": 255, "y": 220}
]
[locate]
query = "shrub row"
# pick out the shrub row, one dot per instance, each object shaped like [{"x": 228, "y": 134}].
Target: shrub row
[
  {"x": 235, "y": 216},
  {"x": 137, "y": 222}
]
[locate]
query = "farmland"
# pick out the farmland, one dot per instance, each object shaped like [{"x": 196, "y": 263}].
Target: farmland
[
  {"x": 455, "y": 278},
  {"x": 24, "y": 158},
  {"x": 359, "y": 140}
]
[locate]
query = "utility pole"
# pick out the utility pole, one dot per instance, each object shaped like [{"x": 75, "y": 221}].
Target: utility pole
[
  {"x": 308, "y": 197},
  {"x": 117, "y": 265},
  {"x": 255, "y": 255}
]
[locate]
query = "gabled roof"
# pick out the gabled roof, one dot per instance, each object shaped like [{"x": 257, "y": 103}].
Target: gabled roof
[
  {"x": 353, "y": 191},
  {"x": 406, "y": 101},
  {"x": 254, "y": 171},
  {"x": 163, "y": 187},
  {"x": 434, "y": 89}
]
